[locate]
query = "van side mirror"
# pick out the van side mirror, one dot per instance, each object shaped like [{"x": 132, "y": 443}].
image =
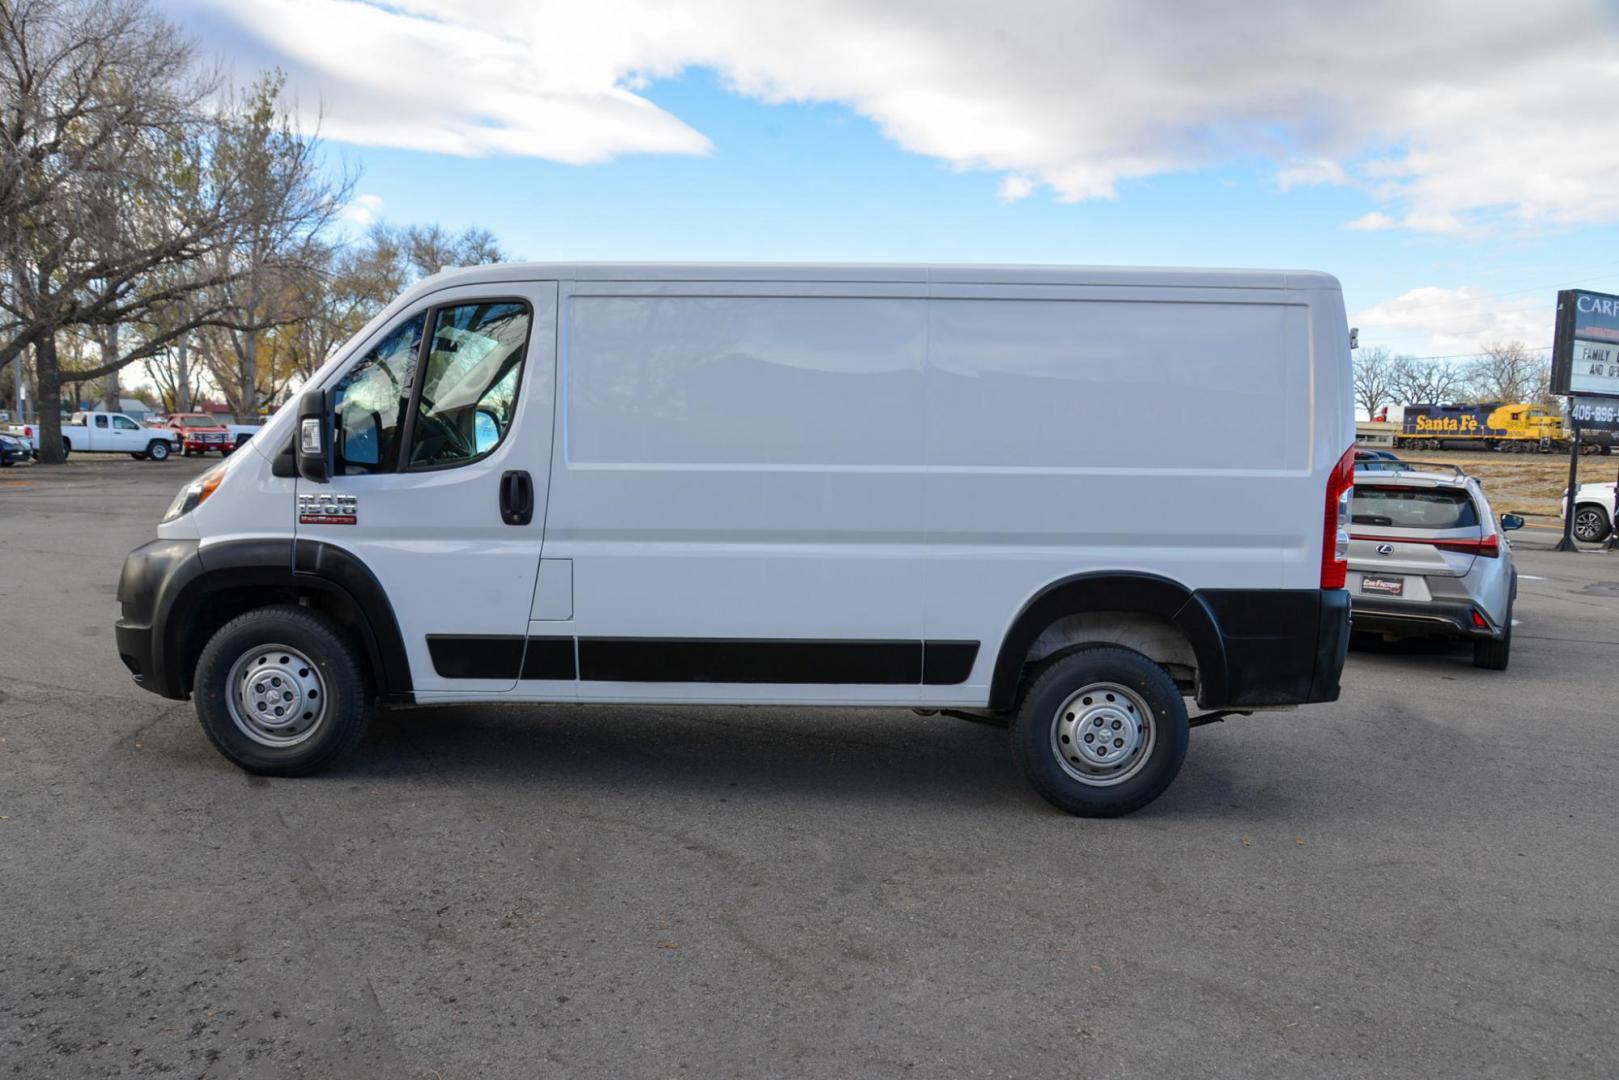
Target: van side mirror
[
  {"x": 1511, "y": 521},
  {"x": 312, "y": 447}
]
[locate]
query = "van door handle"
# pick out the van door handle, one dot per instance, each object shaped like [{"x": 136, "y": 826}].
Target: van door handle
[{"x": 516, "y": 497}]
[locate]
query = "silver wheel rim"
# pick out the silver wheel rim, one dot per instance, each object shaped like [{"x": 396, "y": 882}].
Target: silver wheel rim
[
  {"x": 275, "y": 696},
  {"x": 159, "y": 451},
  {"x": 1587, "y": 524},
  {"x": 1103, "y": 734}
]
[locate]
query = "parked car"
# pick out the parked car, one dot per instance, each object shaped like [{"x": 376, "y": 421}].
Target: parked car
[
  {"x": 1594, "y": 511},
  {"x": 202, "y": 433},
  {"x": 241, "y": 433},
  {"x": 13, "y": 449},
  {"x": 1427, "y": 559},
  {"x": 1376, "y": 459},
  {"x": 98, "y": 432},
  {"x": 914, "y": 487}
]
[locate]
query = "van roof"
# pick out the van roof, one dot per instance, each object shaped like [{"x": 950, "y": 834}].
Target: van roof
[{"x": 889, "y": 273}]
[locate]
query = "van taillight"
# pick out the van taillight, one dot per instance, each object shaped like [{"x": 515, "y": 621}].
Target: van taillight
[{"x": 1335, "y": 525}]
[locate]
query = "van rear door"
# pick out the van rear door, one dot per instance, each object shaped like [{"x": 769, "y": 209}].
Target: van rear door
[{"x": 442, "y": 432}]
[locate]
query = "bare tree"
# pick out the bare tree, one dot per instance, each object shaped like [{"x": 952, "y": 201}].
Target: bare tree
[
  {"x": 1373, "y": 372},
  {"x": 178, "y": 380},
  {"x": 1509, "y": 372},
  {"x": 105, "y": 185},
  {"x": 1416, "y": 381},
  {"x": 286, "y": 201},
  {"x": 430, "y": 249}
]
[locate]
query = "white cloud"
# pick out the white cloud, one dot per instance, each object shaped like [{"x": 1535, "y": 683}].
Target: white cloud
[
  {"x": 1444, "y": 322},
  {"x": 1371, "y": 222},
  {"x": 1308, "y": 173},
  {"x": 1014, "y": 187},
  {"x": 1449, "y": 114},
  {"x": 363, "y": 209}
]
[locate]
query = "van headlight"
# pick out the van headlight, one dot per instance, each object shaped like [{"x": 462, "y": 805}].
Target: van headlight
[{"x": 194, "y": 494}]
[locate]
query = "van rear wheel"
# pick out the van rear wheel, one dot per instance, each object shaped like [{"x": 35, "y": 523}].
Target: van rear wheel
[
  {"x": 282, "y": 691},
  {"x": 1101, "y": 731}
]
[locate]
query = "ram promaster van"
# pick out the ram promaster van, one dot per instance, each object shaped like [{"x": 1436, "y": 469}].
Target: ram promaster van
[{"x": 1013, "y": 494}]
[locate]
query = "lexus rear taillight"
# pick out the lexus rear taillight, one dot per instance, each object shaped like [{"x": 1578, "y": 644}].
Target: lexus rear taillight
[
  {"x": 1489, "y": 547},
  {"x": 1335, "y": 525}
]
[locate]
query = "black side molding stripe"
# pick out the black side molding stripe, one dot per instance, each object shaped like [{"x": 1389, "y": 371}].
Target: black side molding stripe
[
  {"x": 704, "y": 660},
  {"x": 948, "y": 663},
  {"x": 728, "y": 660},
  {"x": 475, "y": 656},
  {"x": 549, "y": 658}
]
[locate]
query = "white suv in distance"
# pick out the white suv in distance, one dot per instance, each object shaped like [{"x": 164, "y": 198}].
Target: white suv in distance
[
  {"x": 1426, "y": 559},
  {"x": 1594, "y": 506}
]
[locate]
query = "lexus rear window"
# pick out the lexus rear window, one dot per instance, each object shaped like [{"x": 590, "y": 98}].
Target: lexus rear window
[{"x": 1413, "y": 508}]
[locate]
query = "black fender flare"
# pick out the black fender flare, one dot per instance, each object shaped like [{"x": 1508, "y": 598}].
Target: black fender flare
[
  {"x": 333, "y": 567},
  {"x": 340, "y": 577},
  {"x": 1126, "y": 591}
]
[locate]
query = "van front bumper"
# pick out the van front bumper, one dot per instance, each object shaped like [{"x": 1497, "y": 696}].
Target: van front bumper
[{"x": 152, "y": 577}]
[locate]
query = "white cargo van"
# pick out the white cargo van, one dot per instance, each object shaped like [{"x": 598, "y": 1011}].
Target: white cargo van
[{"x": 1064, "y": 499}]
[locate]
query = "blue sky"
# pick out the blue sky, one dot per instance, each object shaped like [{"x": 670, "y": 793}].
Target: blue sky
[{"x": 719, "y": 134}]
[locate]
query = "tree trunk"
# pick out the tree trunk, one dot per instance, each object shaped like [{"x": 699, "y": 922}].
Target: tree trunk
[
  {"x": 49, "y": 379},
  {"x": 112, "y": 396},
  {"x": 182, "y": 381},
  {"x": 247, "y": 402}
]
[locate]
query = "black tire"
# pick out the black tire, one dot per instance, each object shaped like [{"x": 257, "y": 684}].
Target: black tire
[
  {"x": 1591, "y": 523},
  {"x": 338, "y": 671},
  {"x": 157, "y": 450},
  {"x": 1492, "y": 655},
  {"x": 67, "y": 449},
  {"x": 1041, "y": 716}
]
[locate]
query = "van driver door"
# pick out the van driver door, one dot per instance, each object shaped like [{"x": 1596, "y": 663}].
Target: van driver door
[{"x": 442, "y": 453}]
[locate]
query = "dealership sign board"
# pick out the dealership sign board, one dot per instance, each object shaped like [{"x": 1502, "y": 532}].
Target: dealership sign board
[
  {"x": 1585, "y": 356},
  {"x": 1595, "y": 412}
]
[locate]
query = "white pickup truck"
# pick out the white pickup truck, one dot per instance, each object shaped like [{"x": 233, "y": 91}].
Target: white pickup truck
[{"x": 100, "y": 432}]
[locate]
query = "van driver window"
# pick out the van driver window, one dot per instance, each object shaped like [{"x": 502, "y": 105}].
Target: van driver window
[
  {"x": 469, "y": 390},
  {"x": 371, "y": 401},
  {"x": 124, "y": 423}
]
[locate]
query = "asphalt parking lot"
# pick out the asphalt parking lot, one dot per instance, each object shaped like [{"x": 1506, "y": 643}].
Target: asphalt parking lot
[{"x": 1420, "y": 880}]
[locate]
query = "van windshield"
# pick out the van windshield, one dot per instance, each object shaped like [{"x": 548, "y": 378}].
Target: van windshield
[{"x": 1413, "y": 508}]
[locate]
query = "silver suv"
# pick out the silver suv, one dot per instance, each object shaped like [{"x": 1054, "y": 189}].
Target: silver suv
[{"x": 1426, "y": 558}]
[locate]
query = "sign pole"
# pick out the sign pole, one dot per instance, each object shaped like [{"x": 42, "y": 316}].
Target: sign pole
[
  {"x": 1567, "y": 542},
  {"x": 1613, "y": 531}
]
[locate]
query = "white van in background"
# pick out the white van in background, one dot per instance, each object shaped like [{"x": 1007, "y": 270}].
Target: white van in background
[{"x": 1011, "y": 492}]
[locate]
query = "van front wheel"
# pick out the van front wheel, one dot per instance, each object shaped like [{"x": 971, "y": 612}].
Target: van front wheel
[
  {"x": 282, "y": 691},
  {"x": 1101, "y": 731}
]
